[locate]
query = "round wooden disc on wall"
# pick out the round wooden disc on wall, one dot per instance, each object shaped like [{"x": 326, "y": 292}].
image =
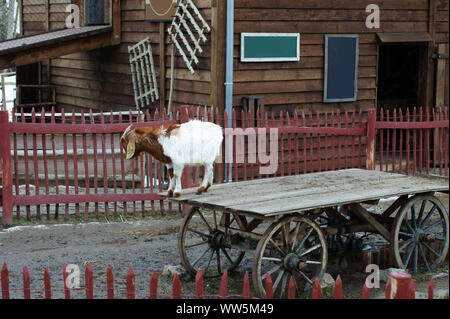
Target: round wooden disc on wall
[{"x": 160, "y": 10}]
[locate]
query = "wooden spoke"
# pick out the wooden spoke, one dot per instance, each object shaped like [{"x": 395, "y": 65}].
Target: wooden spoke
[
  {"x": 409, "y": 253},
  {"x": 304, "y": 239},
  {"x": 428, "y": 216},
  {"x": 276, "y": 246},
  {"x": 219, "y": 268},
  {"x": 295, "y": 236},
  {"x": 422, "y": 209},
  {"x": 277, "y": 281},
  {"x": 313, "y": 262},
  {"x": 406, "y": 234},
  {"x": 306, "y": 277},
  {"x": 431, "y": 249},
  {"x": 416, "y": 257},
  {"x": 310, "y": 250},
  {"x": 198, "y": 232},
  {"x": 283, "y": 286},
  {"x": 209, "y": 260},
  {"x": 215, "y": 219},
  {"x": 406, "y": 243},
  {"x": 278, "y": 260},
  {"x": 271, "y": 271},
  {"x": 422, "y": 254},
  {"x": 226, "y": 255},
  {"x": 433, "y": 225},
  {"x": 206, "y": 223},
  {"x": 196, "y": 244},
  {"x": 201, "y": 256}
]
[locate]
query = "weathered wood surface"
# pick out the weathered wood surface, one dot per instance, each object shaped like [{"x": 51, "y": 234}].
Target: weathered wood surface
[{"x": 281, "y": 195}]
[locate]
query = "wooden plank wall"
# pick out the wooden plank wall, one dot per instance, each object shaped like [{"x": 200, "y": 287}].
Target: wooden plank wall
[
  {"x": 101, "y": 79},
  {"x": 300, "y": 84},
  {"x": 442, "y": 38}
]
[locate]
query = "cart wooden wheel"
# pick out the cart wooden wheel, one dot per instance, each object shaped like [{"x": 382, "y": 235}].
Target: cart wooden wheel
[
  {"x": 420, "y": 234},
  {"x": 204, "y": 243},
  {"x": 294, "y": 247}
]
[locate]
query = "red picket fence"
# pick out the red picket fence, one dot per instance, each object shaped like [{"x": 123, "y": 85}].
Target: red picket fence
[
  {"x": 401, "y": 280},
  {"x": 413, "y": 141},
  {"x": 74, "y": 159}
]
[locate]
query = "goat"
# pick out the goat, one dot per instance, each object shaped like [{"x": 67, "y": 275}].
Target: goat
[{"x": 194, "y": 143}]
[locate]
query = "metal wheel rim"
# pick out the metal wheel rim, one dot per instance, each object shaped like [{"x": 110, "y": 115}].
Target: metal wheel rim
[
  {"x": 416, "y": 250},
  {"x": 210, "y": 253},
  {"x": 258, "y": 276}
]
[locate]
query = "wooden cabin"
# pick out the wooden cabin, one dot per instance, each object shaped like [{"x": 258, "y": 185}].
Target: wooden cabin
[{"x": 403, "y": 62}]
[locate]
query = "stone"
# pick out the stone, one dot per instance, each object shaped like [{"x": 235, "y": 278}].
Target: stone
[
  {"x": 170, "y": 270},
  {"x": 327, "y": 281},
  {"x": 441, "y": 294}
]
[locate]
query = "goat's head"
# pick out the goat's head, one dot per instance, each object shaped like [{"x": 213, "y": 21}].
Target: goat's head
[{"x": 139, "y": 139}]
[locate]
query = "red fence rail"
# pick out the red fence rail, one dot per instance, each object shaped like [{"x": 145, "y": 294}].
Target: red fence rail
[
  {"x": 75, "y": 159},
  {"x": 401, "y": 280}
]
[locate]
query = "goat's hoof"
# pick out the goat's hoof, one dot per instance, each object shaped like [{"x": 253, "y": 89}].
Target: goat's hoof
[
  {"x": 200, "y": 190},
  {"x": 170, "y": 193},
  {"x": 177, "y": 194},
  {"x": 207, "y": 187}
]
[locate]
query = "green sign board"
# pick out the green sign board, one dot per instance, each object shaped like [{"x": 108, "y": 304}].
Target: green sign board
[{"x": 270, "y": 47}]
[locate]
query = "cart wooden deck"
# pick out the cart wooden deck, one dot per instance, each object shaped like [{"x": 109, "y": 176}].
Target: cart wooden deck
[{"x": 281, "y": 195}]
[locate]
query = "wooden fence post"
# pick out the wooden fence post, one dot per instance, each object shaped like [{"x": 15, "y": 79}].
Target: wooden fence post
[
  {"x": 269, "y": 286},
  {"x": 431, "y": 289},
  {"x": 246, "y": 287},
  {"x": 199, "y": 284},
  {"x": 224, "y": 285},
  {"x": 401, "y": 285},
  {"x": 6, "y": 167},
  {"x": 26, "y": 283},
  {"x": 5, "y": 281},
  {"x": 371, "y": 139},
  {"x": 89, "y": 282},
  {"x": 131, "y": 286},
  {"x": 110, "y": 282},
  {"x": 176, "y": 287},
  {"x": 291, "y": 289},
  {"x": 316, "y": 292},
  {"x": 338, "y": 288},
  {"x": 154, "y": 285},
  {"x": 47, "y": 285}
]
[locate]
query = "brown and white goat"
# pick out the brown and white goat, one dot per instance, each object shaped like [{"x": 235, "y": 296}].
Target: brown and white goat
[{"x": 194, "y": 143}]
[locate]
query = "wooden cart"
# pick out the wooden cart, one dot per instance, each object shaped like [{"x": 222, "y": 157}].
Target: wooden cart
[{"x": 288, "y": 223}]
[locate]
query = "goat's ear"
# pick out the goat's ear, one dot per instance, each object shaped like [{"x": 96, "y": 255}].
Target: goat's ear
[{"x": 131, "y": 148}]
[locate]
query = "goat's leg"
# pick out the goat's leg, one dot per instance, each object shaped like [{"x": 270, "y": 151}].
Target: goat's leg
[
  {"x": 211, "y": 179},
  {"x": 177, "y": 172},
  {"x": 171, "y": 181},
  {"x": 206, "y": 179}
]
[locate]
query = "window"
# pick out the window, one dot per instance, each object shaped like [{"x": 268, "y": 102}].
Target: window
[{"x": 341, "y": 68}]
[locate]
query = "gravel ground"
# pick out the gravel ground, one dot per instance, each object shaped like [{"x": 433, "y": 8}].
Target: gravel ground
[{"x": 146, "y": 245}]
